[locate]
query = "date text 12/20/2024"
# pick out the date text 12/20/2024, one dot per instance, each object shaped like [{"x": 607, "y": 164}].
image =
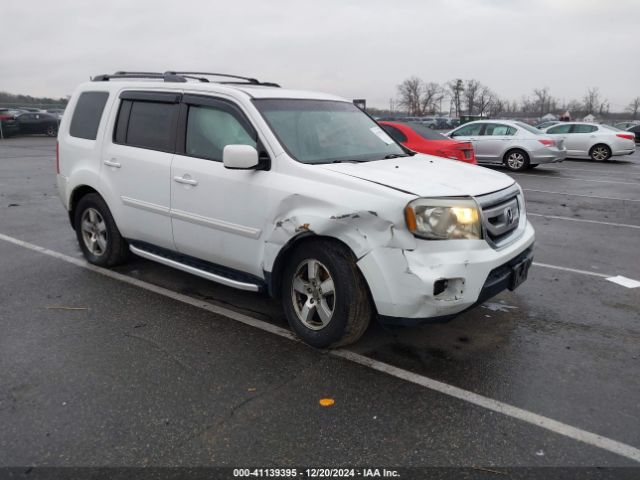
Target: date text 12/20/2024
[{"x": 315, "y": 473}]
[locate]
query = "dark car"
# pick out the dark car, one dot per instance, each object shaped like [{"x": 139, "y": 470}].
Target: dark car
[
  {"x": 636, "y": 131},
  {"x": 8, "y": 124},
  {"x": 32, "y": 123}
]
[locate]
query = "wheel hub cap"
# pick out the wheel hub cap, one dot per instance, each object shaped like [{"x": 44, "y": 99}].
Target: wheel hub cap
[
  {"x": 313, "y": 294},
  {"x": 94, "y": 232}
]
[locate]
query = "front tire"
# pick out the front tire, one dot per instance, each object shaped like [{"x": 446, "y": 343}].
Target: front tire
[
  {"x": 600, "y": 153},
  {"x": 325, "y": 297},
  {"x": 51, "y": 131},
  {"x": 97, "y": 233},
  {"x": 516, "y": 160}
]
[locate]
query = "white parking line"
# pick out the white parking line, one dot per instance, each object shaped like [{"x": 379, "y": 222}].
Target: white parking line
[
  {"x": 583, "y": 220},
  {"x": 601, "y": 172},
  {"x": 572, "y": 270},
  {"x": 541, "y": 421},
  {"x": 581, "y": 195},
  {"x": 575, "y": 178}
]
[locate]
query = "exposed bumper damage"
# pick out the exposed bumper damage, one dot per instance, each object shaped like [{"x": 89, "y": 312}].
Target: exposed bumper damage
[{"x": 401, "y": 271}]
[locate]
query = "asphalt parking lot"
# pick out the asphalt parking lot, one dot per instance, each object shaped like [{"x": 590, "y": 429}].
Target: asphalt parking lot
[{"x": 146, "y": 367}]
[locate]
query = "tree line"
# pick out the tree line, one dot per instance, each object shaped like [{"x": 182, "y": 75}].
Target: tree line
[
  {"x": 471, "y": 97},
  {"x": 26, "y": 100}
]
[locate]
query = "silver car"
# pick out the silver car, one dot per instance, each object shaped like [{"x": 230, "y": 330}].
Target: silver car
[
  {"x": 515, "y": 144},
  {"x": 590, "y": 140}
]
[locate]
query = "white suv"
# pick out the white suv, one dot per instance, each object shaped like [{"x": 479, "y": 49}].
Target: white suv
[{"x": 298, "y": 194}]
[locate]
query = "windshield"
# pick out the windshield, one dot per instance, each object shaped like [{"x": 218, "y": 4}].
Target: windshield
[
  {"x": 528, "y": 128},
  {"x": 321, "y": 131}
]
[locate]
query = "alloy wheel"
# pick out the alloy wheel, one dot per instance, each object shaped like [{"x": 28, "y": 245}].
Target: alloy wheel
[
  {"x": 515, "y": 160},
  {"x": 94, "y": 232},
  {"x": 600, "y": 153},
  {"x": 313, "y": 294}
]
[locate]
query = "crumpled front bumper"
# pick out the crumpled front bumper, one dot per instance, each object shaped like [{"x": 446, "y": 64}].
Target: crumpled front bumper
[{"x": 402, "y": 282}]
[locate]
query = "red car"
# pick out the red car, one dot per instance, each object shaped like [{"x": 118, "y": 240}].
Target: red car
[{"x": 424, "y": 140}]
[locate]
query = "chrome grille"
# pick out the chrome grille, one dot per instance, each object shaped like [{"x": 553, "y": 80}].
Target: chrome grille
[{"x": 503, "y": 216}]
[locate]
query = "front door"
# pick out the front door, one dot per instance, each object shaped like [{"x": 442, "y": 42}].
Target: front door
[{"x": 218, "y": 214}]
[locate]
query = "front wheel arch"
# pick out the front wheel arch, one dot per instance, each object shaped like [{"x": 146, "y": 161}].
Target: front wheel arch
[{"x": 274, "y": 278}]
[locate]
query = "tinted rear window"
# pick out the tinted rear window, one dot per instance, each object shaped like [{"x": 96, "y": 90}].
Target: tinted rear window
[
  {"x": 87, "y": 114},
  {"x": 426, "y": 132},
  {"x": 152, "y": 125}
]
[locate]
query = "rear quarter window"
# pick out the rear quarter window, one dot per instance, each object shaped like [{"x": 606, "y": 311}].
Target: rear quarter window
[{"x": 87, "y": 114}]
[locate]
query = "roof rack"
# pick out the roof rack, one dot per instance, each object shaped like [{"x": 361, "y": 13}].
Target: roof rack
[{"x": 181, "y": 77}]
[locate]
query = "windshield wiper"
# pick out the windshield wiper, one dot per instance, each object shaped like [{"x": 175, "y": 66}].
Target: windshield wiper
[
  {"x": 348, "y": 160},
  {"x": 396, "y": 155}
]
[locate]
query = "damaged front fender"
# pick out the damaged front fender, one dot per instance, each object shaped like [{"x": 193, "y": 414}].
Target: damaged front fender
[{"x": 361, "y": 230}]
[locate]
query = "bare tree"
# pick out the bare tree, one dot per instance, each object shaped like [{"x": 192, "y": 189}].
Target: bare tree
[
  {"x": 591, "y": 100},
  {"x": 485, "y": 99},
  {"x": 497, "y": 106},
  {"x": 410, "y": 93},
  {"x": 527, "y": 105},
  {"x": 542, "y": 100},
  {"x": 471, "y": 90},
  {"x": 574, "y": 106},
  {"x": 431, "y": 95},
  {"x": 456, "y": 89},
  {"x": 634, "y": 107}
]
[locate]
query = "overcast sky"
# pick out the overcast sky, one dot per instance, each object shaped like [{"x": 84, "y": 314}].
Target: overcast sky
[{"x": 356, "y": 49}]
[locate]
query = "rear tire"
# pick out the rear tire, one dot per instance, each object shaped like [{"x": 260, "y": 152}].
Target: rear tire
[
  {"x": 97, "y": 233},
  {"x": 51, "y": 131},
  {"x": 600, "y": 153},
  {"x": 324, "y": 295},
  {"x": 516, "y": 160}
]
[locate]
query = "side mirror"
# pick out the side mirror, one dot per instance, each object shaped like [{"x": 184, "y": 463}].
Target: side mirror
[{"x": 240, "y": 157}]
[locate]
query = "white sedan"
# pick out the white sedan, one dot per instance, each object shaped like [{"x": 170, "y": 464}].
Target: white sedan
[{"x": 590, "y": 140}]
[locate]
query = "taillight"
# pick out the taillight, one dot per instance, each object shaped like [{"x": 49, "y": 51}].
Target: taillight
[
  {"x": 548, "y": 143},
  {"x": 57, "y": 158},
  {"x": 626, "y": 136}
]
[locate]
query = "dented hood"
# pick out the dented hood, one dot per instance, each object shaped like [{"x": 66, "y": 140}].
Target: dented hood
[{"x": 427, "y": 176}]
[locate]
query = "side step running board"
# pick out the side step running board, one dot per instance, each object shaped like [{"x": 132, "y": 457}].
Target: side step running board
[{"x": 251, "y": 287}]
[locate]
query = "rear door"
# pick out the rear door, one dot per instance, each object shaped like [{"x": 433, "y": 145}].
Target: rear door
[
  {"x": 493, "y": 142},
  {"x": 560, "y": 133},
  {"x": 26, "y": 122},
  {"x": 137, "y": 164},
  {"x": 581, "y": 138}
]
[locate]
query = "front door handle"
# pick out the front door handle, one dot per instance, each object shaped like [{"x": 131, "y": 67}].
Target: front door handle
[
  {"x": 186, "y": 180},
  {"x": 112, "y": 163}
]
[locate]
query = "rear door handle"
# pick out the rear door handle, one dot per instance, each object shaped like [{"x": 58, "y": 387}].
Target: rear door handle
[
  {"x": 186, "y": 180},
  {"x": 112, "y": 163}
]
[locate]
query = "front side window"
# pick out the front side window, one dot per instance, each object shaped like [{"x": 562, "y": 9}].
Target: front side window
[
  {"x": 210, "y": 129},
  {"x": 151, "y": 125},
  {"x": 469, "y": 130},
  {"x": 560, "y": 129},
  {"x": 325, "y": 131},
  {"x": 87, "y": 115}
]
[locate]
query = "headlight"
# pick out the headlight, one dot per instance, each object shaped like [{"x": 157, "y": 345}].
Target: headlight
[{"x": 444, "y": 218}]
